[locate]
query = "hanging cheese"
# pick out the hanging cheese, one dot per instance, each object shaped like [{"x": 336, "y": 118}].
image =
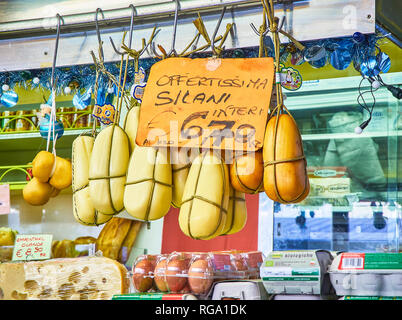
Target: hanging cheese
[
  {"x": 107, "y": 170},
  {"x": 246, "y": 172},
  {"x": 83, "y": 209},
  {"x": 62, "y": 175},
  {"x": 131, "y": 124},
  {"x": 285, "y": 174},
  {"x": 148, "y": 191},
  {"x": 42, "y": 165},
  {"x": 206, "y": 198},
  {"x": 36, "y": 193},
  {"x": 237, "y": 212},
  {"x": 181, "y": 162}
]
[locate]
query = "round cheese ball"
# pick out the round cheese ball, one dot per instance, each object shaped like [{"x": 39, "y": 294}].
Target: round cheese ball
[
  {"x": 200, "y": 276},
  {"x": 143, "y": 275}
]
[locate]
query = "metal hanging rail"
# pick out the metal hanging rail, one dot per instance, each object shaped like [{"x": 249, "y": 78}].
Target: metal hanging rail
[{"x": 305, "y": 20}]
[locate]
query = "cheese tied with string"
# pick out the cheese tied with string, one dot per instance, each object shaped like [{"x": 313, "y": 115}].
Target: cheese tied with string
[
  {"x": 107, "y": 169},
  {"x": 285, "y": 174},
  {"x": 83, "y": 209},
  {"x": 204, "y": 207},
  {"x": 237, "y": 212},
  {"x": 206, "y": 102},
  {"x": 148, "y": 190}
]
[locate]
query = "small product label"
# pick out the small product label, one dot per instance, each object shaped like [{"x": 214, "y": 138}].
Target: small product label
[
  {"x": 32, "y": 247},
  {"x": 4, "y": 199}
]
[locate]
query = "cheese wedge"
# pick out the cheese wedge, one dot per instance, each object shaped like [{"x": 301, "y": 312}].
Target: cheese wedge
[
  {"x": 107, "y": 170},
  {"x": 83, "y": 209},
  {"x": 83, "y": 278},
  {"x": 206, "y": 198},
  {"x": 148, "y": 191}
]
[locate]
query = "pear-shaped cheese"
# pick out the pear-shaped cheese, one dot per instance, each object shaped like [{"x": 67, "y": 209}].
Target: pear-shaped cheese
[
  {"x": 206, "y": 198},
  {"x": 83, "y": 209},
  {"x": 148, "y": 192},
  {"x": 42, "y": 165},
  {"x": 107, "y": 170},
  {"x": 36, "y": 193},
  {"x": 237, "y": 212},
  {"x": 62, "y": 175}
]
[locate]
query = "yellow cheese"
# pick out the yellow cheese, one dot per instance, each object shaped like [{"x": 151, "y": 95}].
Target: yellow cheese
[
  {"x": 148, "y": 192},
  {"x": 83, "y": 278},
  {"x": 37, "y": 193},
  {"x": 42, "y": 165},
  {"x": 131, "y": 125},
  {"x": 237, "y": 212},
  {"x": 62, "y": 175},
  {"x": 83, "y": 209},
  {"x": 205, "y": 198},
  {"x": 107, "y": 170},
  {"x": 181, "y": 162}
]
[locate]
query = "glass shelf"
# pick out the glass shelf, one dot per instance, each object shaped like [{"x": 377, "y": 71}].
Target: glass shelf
[{"x": 354, "y": 202}]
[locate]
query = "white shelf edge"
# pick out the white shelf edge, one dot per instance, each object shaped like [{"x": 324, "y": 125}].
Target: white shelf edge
[{"x": 351, "y": 135}]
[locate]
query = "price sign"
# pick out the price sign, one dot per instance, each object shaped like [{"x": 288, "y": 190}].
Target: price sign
[
  {"x": 32, "y": 247},
  {"x": 4, "y": 199},
  {"x": 207, "y": 103}
]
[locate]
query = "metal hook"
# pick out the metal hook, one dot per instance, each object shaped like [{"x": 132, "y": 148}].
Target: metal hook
[
  {"x": 216, "y": 31},
  {"x": 59, "y": 19},
  {"x": 133, "y": 12},
  {"x": 97, "y": 29},
  {"x": 172, "y": 50}
]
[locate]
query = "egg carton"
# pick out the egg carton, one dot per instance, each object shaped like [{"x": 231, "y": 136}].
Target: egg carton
[{"x": 367, "y": 274}]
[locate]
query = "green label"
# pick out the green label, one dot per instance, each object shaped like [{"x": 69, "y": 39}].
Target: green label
[
  {"x": 383, "y": 261},
  {"x": 305, "y": 272},
  {"x": 138, "y": 296},
  {"x": 290, "y": 279},
  {"x": 371, "y": 298},
  {"x": 32, "y": 247}
]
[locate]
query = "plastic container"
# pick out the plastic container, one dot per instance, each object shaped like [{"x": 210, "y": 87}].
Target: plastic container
[
  {"x": 176, "y": 274},
  {"x": 143, "y": 272},
  {"x": 367, "y": 274},
  {"x": 298, "y": 272},
  {"x": 160, "y": 273},
  {"x": 254, "y": 260},
  {"x": 239, "y": 290},
  {"x": 200, "y": 274}
]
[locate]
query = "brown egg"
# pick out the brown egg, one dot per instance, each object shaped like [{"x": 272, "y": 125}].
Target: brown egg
[
  {"x": 176, "y": 271},
  {"x": 246, "y": 172},
  {"x": 159, "y": 276},
  {"x": 200, "y": 276},
  {"x": 143, "y": 275}
]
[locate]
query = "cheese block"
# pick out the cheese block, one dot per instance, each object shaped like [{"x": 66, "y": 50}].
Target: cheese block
[
  {"x": 42, "y": 165},
  {"x": 246, "y": 172},
  {"x": 237, "y": 212},
  {"x": 107, "y": 170},
  {"x": 7, "y": 236},
  {"x": 62, "y": 176},
  {"x": 148, "y": 192},
  {"x": 82, "y": 278},
  {"x": 206, "y": 198},
  {"x": 131, "y": 123},
  {"x": 83, "y": 209}
]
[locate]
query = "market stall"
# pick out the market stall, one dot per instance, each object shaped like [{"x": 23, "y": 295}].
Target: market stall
[{"x": 220, "y": 150}]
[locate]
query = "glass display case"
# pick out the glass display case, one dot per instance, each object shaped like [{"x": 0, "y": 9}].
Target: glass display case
[{"x": 354, "y": 202}]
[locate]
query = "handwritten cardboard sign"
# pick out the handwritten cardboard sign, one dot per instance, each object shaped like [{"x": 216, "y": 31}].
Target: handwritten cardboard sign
[
  {"x": 32, "y": 247},
  {"x": 206, "y": 103},
  {"x": 4, "y": 199}
]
